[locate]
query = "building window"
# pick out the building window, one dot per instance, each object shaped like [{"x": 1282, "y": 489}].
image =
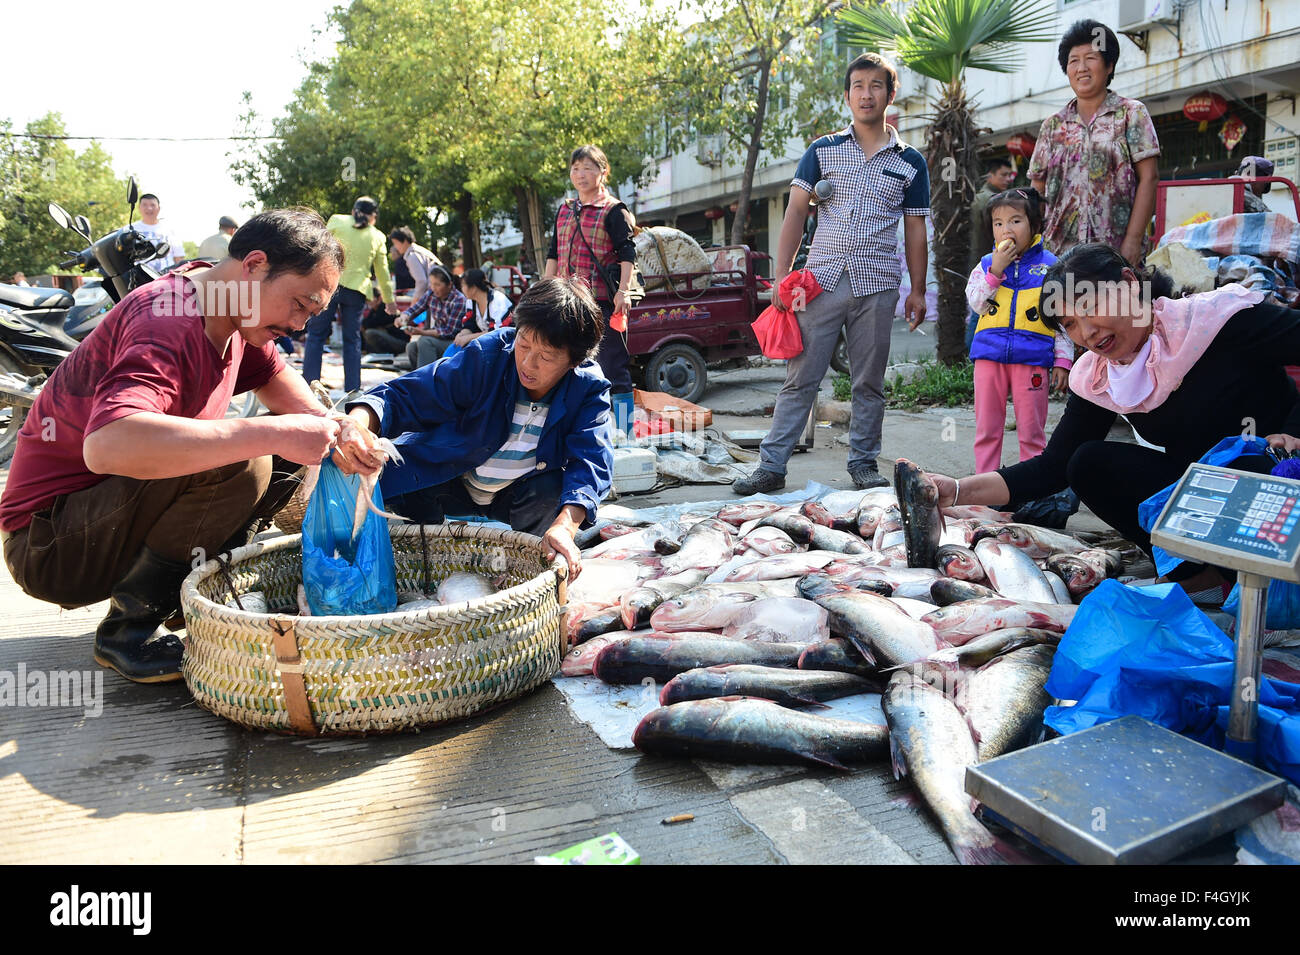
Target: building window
[{"x": 1188, "y": 153}]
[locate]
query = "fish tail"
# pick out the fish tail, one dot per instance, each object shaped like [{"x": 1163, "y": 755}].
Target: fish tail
[
  {"x": 896, "y": 760},
  {"x": 998, "y": 852},
  {"x": 824, "y": 759},
  {"x": 386, "y": 514}
]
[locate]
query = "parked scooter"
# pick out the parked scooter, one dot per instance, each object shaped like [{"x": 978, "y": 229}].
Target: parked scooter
[{"x": 33, "y": 335}]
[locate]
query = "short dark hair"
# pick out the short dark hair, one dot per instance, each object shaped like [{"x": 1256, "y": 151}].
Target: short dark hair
[
  {"x": 150, "y": 195},
  {"x": 872, "y": 61},
  {"x": 996, "y": 163},
  {"x": 402, "y": 233},
  {"x": 1089, "y": 265},
  {"x": 294, "y": 240},
  {"x": 476, "y": 278},
  {"x": 594, "y": 154},
  {"x": 1091, "y": 33},
  {"x": 563, "y": 314},
  {"x": 1026, "y": 200}
]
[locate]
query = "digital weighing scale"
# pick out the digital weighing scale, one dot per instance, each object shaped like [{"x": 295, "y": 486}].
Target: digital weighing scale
[{"x": 1129, "y": 791}]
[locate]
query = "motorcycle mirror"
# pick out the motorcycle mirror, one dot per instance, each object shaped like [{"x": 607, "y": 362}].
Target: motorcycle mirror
[
  {"x": 60, "y": 215},
  {"x": 132, "y": 193},
  {"x": 161, "y": 249},
  {"x": 83, "y": 226}
]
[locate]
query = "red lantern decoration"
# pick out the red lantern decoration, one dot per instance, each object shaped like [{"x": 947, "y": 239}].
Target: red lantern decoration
[
  {"x": 1203, "y": 108},
  {"x": 714, "y": 213},
  {"x": 1232, "y": 132},
  {"x": 1022, "y": 145}
]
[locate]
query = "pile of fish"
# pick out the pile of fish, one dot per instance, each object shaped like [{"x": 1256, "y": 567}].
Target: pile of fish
[{"x": 743, "y": 614}]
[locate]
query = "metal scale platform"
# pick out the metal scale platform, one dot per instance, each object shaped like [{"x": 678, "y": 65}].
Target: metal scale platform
[{"x": 1129, "y": 791}]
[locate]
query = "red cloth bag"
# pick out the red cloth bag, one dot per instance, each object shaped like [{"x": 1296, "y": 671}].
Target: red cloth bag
[{"x": 777, "y": 331}]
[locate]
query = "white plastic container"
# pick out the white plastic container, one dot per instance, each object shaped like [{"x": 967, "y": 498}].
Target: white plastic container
[{"x": 634, "y": 470}]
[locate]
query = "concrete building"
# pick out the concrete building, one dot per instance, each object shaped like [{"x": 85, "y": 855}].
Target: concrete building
[{"x": 1247, "y": 51}]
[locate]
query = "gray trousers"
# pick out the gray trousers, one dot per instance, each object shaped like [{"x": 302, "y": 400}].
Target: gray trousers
[
  {"x": 868, "y": 321},
  {"x": 424, "y": 350}
]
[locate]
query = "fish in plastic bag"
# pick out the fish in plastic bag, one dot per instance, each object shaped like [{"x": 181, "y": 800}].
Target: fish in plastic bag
[{"x": 345, "y": 573}]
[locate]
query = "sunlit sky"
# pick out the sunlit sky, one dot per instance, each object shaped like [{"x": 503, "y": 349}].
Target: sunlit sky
[{"x": 179, "y": 70}]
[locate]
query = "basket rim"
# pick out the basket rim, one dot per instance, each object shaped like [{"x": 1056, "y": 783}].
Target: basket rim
[{"x": 453, "y": 530}]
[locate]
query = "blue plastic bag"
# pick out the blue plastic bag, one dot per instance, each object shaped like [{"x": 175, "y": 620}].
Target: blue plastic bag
[
  {"x": 1282, "y": 611},
  {"x": 1130, "y": 653},
  {"x": 340, "y": 575},
  {"x": 1221, "y": 455}
]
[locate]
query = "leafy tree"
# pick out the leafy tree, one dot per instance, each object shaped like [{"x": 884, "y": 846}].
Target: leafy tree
[
  {"x": 758, "y": 73},
  {"x": 37, "y": 171},
  {"x": 941, "y": 39},
  {"x": 469, "y": 115}
]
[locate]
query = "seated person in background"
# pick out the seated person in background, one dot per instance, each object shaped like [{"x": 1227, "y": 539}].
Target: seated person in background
[
  {"x": 127, "y": 470},
  {"x": 515, "y": 427},
  {"x": 446, "y": 308},
  {"x": 1250, "y": 168},
  {"x": 488, "y": 308}
]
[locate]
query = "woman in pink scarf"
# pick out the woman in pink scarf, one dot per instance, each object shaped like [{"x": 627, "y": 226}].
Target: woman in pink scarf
[{"x": 1185, "y": 373}]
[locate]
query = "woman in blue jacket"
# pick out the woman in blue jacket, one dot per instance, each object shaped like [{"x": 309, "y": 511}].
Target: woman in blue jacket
[{"x": 515, "y": 427}]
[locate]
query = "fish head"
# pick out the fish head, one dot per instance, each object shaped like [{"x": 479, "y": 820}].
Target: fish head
[
  {"x": 810, "y": 586},
  {"x": 816, "y": 513},
  {"x": 701, "y": 683}
]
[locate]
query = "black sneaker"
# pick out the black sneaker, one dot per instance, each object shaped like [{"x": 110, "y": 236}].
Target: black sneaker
[
  {"x": 760, "y": 482},
  {"x": 865, "y": 478}
]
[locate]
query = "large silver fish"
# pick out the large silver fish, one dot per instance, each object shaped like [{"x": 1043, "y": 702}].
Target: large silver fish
[
  {"x": 707, "y": 544},
  {"x": 662, "y": 657},
  {"x": 1012, "y": 573},
  {"x": 918, "y": 500},
  {"x": 799, "y": 527},
  {"x": 827, "y": 538},
  {"x": 881, "y": 630},
  {"x": 778, "y": 684},
  {"x": 741, "y": 729},
  {"x": 956, "y": 560},
  {"x": 1004, "y": 700},
  {"x": 957, "y": 623},
  {"x": 768, "y": 542},
  {"x": 836, "y": 654},
  {"x": 950, "y": 590},
  {"x": 931, "y": 742},
  {"x": 1037, "y": 542},
  {"x": 638, "y": 603},
  {"x": 975, "y": 653},
  {"x": 784, "y": 565}
]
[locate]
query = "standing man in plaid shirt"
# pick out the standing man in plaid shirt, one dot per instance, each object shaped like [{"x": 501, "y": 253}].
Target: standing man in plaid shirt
[{"x": 874, "y": 178}]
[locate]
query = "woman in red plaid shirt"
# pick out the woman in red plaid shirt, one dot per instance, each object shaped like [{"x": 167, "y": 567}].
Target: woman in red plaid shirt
[{"x": 592, "y": 235}]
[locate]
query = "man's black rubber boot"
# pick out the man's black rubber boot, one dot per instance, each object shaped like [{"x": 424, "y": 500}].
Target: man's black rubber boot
[
  {"x": 132, "y": 639},
  {"x": 760, "y": 482}
]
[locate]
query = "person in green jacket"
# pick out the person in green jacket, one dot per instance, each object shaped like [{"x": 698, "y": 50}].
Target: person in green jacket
[{"x": 364, "y": 249}]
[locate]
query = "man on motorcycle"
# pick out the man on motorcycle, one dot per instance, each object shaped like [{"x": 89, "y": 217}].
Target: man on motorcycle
[{"x": 126, "y": 470}]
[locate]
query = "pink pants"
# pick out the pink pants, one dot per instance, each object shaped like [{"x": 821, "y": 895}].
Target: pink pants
[{"x": 1028, "y": 385}]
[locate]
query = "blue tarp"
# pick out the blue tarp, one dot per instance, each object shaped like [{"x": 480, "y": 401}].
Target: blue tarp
[{"x": 1130, "y": 653}]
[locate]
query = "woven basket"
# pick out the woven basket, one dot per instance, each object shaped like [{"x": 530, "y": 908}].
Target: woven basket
[
  {"x": 378, "y": 673},
  {"x": 289, "y": 518}
]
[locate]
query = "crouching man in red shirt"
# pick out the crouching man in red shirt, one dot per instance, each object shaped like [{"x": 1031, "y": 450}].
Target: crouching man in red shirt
[{"x": 127, "y": 471}]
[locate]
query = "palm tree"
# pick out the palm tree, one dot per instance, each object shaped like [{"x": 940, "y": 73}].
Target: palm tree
[{"x": 941, "y": 39}]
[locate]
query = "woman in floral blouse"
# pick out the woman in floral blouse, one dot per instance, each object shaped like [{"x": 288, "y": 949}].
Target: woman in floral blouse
[{"x": 1095, "y": 162}]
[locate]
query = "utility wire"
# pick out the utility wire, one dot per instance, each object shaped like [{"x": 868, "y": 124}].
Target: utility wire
[{"x": 144, "y": 139}]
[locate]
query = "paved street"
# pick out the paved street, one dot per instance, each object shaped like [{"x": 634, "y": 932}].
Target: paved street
[{"x": 154, "y": 778}]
